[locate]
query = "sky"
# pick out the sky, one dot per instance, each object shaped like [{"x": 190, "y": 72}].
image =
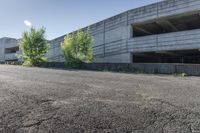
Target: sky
[{"x": 59, "y": 17}]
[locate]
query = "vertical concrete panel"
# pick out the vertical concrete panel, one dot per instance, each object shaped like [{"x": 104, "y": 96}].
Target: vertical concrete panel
[
  {"x": 113, "y": 35},
  {"x": 98, "y": 39},
  {"x": 119, "y": 58}
]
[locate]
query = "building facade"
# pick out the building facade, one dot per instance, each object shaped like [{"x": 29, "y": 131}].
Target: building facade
[
  {"x": 163, "y": 32},
  {"x": 9, "y": 49}
]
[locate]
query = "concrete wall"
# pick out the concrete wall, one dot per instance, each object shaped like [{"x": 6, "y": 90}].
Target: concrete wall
[
  {"x": 55, "y": 53},
  {"x": 122, "y": 58},
  {"x": 153, "y": 68}
]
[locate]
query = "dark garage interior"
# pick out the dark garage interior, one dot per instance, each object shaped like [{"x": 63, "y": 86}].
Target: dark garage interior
[
  {"x": 11, "y": 50},
  {"x": 187, "y": 56},
  {"x": 167, "y": 25}
]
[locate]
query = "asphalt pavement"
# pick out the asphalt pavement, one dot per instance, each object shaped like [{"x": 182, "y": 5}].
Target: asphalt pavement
[{"x": 39, "y": 100}]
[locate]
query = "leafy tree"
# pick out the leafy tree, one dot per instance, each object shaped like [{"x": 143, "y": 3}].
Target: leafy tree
[
  {"x": 33, "y": 47},
  {"x": 78, "y": 48}
]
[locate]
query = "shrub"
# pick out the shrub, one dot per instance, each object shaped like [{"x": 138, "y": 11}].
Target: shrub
[
  {"x": 78, "y": 48},
  {"x": 33, "y": 47}
]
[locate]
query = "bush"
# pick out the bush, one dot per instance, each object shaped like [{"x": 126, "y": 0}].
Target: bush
[
  {"x": 78, "y": 48},
  {"x": 33, "y": 47}
]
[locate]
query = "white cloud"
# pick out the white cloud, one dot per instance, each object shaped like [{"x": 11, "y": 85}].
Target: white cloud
[{"x": 27, "y": 23}]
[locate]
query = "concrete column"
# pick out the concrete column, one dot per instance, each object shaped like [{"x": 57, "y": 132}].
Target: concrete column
[{"x": 126, "y": 58}]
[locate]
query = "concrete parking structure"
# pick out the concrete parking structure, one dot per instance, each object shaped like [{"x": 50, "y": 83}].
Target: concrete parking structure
[{"x": 163, "y": 32}]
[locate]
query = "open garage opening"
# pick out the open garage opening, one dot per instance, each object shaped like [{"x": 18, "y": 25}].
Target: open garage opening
[
  {"x": 11, "y": 50},
  {"x": 167, "y": 25},
  {"x": 184, "y": 56}
]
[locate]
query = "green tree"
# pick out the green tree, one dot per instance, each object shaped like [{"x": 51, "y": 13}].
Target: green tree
[
  {"x": 33, "y": 47},
  {"x": 78, "y": 48}
]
